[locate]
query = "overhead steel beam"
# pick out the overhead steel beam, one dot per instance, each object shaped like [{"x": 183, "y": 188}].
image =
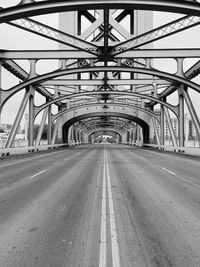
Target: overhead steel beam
[
  {"x": 87, "y": 82},
  {"x": 25, "y": 9},
  {"x": 42, "y": 78},
  {"x": 46, "y": 31},
  {"x": 73, "y": 54},
  {"x": 108, "y": 93},
  {"x": 15, "y": 69},
  {"x": 157, "y": 34},
  {"x": 161, "y": 53},
  {"x": 45, "y": 54},
  {"x": 120, "y": 106},
  {"x": 189, "y": 74},
  {"x": 106, "y": 31},
  {"x": 20, "y": 73}
]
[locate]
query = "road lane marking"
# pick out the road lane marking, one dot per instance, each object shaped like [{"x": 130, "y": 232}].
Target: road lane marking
[
  {"x": 66, "y": 159},
  {"x": 113, "y": 229},
  {"x": 173, "y": 173},
  {"x": 107, "y": 195},
  {"x": 103, "y": 244},
  {"x": 37, "y": 174}
]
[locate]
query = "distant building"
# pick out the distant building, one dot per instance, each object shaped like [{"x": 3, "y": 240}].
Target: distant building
[
  {"x": 190, "y": 131},
  {"x": 6, "y": 127}
]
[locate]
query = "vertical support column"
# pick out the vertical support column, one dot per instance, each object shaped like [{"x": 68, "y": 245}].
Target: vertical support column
[
  {"x": 0, "y": 91},
  {"x": 169, "y": 123},
  {"x": 55, "y": 130},
  {"x": 31, "y": 117},
  {"x": 43, "y": 120},
  {"x": 49, "y": 125},
  {"x": 181, "y": 117},
  {"x": 69, "y": 135},
  {"x": 192, "y": 111},
  {"x": 162, "y": 124},
  {"x": 17, "y": 119},
  {"x": 156, "y": 131},
  {"x": 134, "y": 135},
  {"x": 138, "y": 135}
]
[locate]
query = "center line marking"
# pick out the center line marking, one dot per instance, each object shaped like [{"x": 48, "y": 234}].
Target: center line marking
[
  {"x": 37, "y": 174},
  {"x": 103, "y": 245},
  {"x": 113, "y": 229},
  {"x": 106, "y": 185}
]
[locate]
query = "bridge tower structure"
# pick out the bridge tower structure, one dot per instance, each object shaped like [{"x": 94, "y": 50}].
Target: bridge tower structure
[{"x": 107, "y": 78}]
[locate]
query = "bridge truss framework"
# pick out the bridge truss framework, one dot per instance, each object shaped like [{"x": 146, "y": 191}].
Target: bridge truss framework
[{"x": 106, "y": 80}]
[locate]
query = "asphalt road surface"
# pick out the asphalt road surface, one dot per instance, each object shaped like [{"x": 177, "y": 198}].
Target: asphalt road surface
[{"x": 103, "y": 205}]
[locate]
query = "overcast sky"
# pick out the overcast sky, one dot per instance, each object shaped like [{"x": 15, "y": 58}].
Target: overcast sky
[{"x": 13, "y": 38}]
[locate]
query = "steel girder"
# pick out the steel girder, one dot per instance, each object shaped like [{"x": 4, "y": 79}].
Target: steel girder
[
  {"x": 38, "y": 79},
  {"x": 55, "y": 35},
  {"x": 74, "y": 54},
  {"x": 139, "y": 121},
  {"x": 117, "y": 53},
  {"x": 30, "y": 8},
  {"x": 100, "y": 129},
  {"x": 117, "y": 106},
  {"x": 157, "y": 34}
]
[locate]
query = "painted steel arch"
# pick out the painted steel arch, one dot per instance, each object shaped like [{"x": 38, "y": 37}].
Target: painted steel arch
[
  {"x": 46, "y": 7},
  {"x": 139, "y": 121},
  {"x": 38, "y": 79},
  {"x": 54, "y": 117},
  {"x": 101, "y": 131},
  {"x": 93, "y": 130}
]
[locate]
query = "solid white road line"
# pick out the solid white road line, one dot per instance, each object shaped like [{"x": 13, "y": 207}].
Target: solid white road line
[
  {"x": 37, "y": 174},
  {"x": 114, "y": 240},
  {"x": 103, "y": 245}
]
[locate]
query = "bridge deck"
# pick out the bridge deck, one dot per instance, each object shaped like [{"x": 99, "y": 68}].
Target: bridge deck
[{"x": 56, "y": 208}]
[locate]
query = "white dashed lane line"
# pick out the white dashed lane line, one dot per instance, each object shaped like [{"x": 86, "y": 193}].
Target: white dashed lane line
[
  {"x": 33, "y": 176},
  {"x": 173, "y": 173}
]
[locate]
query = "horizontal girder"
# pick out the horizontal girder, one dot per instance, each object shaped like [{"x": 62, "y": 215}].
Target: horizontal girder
[
  {"x": 46, "y": 7},
  {"x": 97, "y": 82},
  {"x": 115, "y": 93},
  {"x": 42, "y": 78},
  {"x": 117, "y": 106},
  {"x": 73, "y": 54}
]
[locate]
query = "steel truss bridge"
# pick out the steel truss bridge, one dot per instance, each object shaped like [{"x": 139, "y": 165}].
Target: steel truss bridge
[{"x": 106, "y": 81}]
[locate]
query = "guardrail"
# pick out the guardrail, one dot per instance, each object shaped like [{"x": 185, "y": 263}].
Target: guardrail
[
  {"x": 18, "y": 150},
  {"x": 195, "y": 151}
]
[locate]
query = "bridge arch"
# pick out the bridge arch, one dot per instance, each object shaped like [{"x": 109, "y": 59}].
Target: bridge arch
[
  {"x": 102, "y": 131},
  {"x": 25, "y": 9},
  {"x": 70, "y": 121},
  {"x": 126, "y": 108},
  {"x": 155, "y": 73}
]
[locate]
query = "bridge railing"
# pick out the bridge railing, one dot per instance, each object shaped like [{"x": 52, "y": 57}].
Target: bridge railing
[
  {"x": 195, "y": 151},
  {"x": 18, "y": 150}
]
